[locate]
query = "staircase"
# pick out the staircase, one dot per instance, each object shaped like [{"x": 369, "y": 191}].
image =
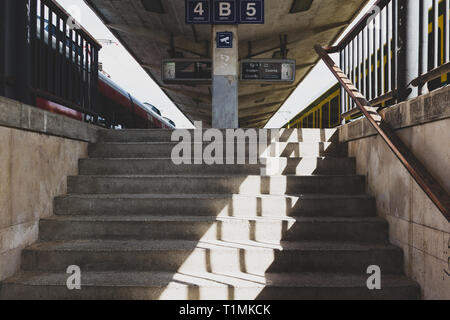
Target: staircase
[{"x": 140, "y": 227}]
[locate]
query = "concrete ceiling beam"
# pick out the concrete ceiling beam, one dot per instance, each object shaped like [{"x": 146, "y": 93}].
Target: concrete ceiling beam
[
  {"x": 206, "y": 98},
  {"x": 265, "y": 45},
  {"x": 256, "y": 117},
  {"x": 263, "y": 108},
  {"x": 181, "y": 42},
  {"x": 250, "y": 98}
]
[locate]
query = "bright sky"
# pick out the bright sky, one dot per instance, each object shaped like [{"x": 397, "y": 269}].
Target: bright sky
[
  {"x": 122, "y": 67},
  {"x": 319, "y": 80},
  {"x": 128, "y": 74}
]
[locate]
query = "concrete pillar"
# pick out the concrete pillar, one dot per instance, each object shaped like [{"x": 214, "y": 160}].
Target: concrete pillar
[
  {"x": 408, "y": 46},
  {"x": 225, "y": 81}
]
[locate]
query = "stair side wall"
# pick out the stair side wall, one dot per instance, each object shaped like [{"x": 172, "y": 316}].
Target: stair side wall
[
  {"x": 38, "y": 150},
  {"x": 416, "y": 225}
]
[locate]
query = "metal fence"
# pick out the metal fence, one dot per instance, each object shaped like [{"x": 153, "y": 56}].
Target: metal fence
[
  {"x": 3, "y": 78},
  {"x": 398, "y": 41},
  {"x": 434, "y": 45},
  {"x": 47, "y": 55}
]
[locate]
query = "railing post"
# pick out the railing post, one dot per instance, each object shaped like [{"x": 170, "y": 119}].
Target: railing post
[
  {"x": 2, "y": 47},
  {"x": 408, "y": 47},
  {"x": 18, "y": 45}
]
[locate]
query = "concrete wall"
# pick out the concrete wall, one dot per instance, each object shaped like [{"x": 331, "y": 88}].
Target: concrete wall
[
  {"x": 416, "y": 225},
  {"x": 35, "y": 159}
]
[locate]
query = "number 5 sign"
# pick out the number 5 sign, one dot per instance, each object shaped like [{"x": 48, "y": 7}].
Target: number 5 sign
[{"x": 251, "y": 12}]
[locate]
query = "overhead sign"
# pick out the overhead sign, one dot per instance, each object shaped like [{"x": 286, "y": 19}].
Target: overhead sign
[
  {"x": 268, "y": 70},
  {"x": 224, "y": 40},
  {"x": 178, "y": 71},
  {"x": 251, "y": 11},
  {"x": 224, "y": 11},
  {"x": 198, "y": 12}
]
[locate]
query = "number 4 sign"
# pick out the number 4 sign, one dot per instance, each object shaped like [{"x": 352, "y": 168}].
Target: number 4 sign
[{"x": 198, "y": 12}]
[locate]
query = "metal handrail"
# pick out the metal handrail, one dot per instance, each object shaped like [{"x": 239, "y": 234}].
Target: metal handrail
[
  {"x": 431, "y": 75},
  {"x": 61, "y": 12},
  {"x": 357, "y": 28},
  {"x": 376, "y": 57},
  {"x": 438, "y": 195},
  {"x": 64, "y": 59}
]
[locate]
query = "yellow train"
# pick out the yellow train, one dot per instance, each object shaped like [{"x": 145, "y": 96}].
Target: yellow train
[{"x": 325, "y": 112}]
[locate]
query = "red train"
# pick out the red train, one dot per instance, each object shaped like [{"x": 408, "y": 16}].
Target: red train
[{"x": 118, "y": 108}]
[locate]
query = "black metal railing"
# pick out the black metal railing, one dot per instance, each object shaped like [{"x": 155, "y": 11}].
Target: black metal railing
[
  {"x": 50, "y": 55},
  {"x": 415, "y": 167},
  {"x": 367, "y": 57},
  {"x": 65, "y": 57},
  {"x": 5, "y": 79},
  {"x": 2, "y": 49},
  {"x": 373, "y": 53}
]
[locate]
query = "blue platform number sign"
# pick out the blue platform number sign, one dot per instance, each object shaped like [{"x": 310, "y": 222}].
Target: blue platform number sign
[
  {"x": 251, "y": 11},
  {"x": 225, "y": 12},
  {"x": 224, "y": 40},
  {"x": 198, "y": 12}
]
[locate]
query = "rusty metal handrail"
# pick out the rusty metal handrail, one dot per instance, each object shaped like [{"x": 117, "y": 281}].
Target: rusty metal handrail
[
  {"x": 431, "y": 75},
  {"x": 418, "y": 171}
]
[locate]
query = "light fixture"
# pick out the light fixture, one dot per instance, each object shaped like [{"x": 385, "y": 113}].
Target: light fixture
[
  {"x": 301, "y": 6},
  {"x": 153, "y": 6}
]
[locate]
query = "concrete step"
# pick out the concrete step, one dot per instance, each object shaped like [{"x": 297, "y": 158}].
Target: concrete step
[
  {"x": 234, "y": 184},
  {"x": 285, "y": 135},
  {"x": 164, "y": 150},
  {"x": 206, "y": 286},
  {"x": 271, "y": 230},
  {"x": 212, "y": 256},
  {"x": 216, "y": 205},
  {"x": 278, "y": 166}
]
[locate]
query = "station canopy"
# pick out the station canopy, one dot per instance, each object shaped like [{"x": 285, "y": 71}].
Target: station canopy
[{"x": 153, "y": 30}]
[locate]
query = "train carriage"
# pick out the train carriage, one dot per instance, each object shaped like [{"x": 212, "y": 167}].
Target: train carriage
[{"x": 115, "y": 107}]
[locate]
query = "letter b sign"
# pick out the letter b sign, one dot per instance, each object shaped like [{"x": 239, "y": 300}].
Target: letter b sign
[{"x": 225, "y": 12}]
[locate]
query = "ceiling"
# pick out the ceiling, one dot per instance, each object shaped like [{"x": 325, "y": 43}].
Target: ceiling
[{"x": 150, "y": 37}]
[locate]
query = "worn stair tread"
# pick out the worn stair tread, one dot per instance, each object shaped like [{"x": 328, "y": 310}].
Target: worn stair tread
[
  {"x": 193, "y": 164},
  {"x": 180, "y": 218},
  {"x": 217, "y": 176},
  {"x": 313, "y": 196},
  {"x": 183, "y": 245},
  {"x": 206, "y": 279},
  {"x": 206, "y": 142}
]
